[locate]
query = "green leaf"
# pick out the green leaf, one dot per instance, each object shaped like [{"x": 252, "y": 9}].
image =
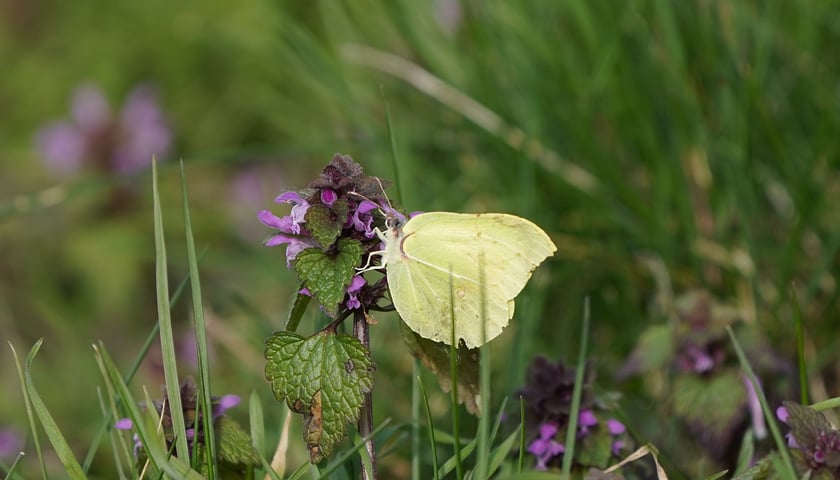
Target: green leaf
[
  {"x": 235, "y": 449},
  {"x": 325, "y": 223},
  {"x": 763, "y": 469},
  {"x": 713, "y": 404},
  {"x": 324, "y": 377},
  {"x": 806, "y": 425},
  {"x": 435, "y": 356},
  {"x": 297, "y": 311},
  {"x": 595, "y": 450},
  {"x": 327, "y": 275},
  {"x": 653, "y": 350}
]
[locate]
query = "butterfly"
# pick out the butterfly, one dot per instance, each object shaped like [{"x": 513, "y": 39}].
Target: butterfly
[{"x": 473, "y": 265}]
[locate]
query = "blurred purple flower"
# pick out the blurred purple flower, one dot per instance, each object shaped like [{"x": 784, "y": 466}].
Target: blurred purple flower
[
  {"x": 144, "y": 131},
  {"x": 11, "y": 443},
  {"x": 782, "y": 415},
  {"x": 224, "y": 404},
  {"x": 545, "y": 447},
  {"x": 448, "y": 15},
  {"x": 696, "y": 359},
  {"x": 249, "y": 189},
  {"x": 615, "y": 427},
  {"x": 586, "y": 419},
  {"x": 754, "y": 404},
  {"x": 93, "y": 137}
]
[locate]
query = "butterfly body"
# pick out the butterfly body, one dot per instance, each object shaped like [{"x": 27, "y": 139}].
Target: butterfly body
[{"x": 472, "y": 265}]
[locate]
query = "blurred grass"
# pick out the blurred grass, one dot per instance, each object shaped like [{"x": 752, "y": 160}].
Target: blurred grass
[{"x": 709, "y": 129}]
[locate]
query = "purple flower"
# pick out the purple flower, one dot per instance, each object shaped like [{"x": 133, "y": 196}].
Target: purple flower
[
  {"x": 758, "y": 425},
  {"x": 694, "y": 358},
  {"x": 127, "y": 424},
  {"x": 11, "y": 443},
  {"x": 362, "y": 218},
  {"x": 782, "y": 414},
  {"x": 93, "y": 137},
  {"x": 355, "y": 285},
  {"x": 615, "y": 427},
  {"x": 328, "y": 197},
  {"x": 143, "y": 131},
  {"x": 545, "y": 447},
  {"x": 124, "y": 424},
  {"x": 224, "y": 404},
  {"x": 586, "y": 419},
  {"x": 286, "y": 227},
  {"x": 194, "y": 429},
  {"x": 299, "y": 208}
]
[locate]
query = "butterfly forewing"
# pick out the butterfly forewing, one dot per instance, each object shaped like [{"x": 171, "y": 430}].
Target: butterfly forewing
[{"x": 437, "y": 245}]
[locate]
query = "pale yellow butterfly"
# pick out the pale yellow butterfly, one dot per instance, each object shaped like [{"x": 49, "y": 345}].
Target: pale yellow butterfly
[{"x": 422, "y": 255}]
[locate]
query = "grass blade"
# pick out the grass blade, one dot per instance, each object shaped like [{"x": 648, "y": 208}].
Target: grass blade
[
  {"x": 59, "y": 443},
  {"x": 800, "y": 349},
  {"x": 781, "y": 445},
  {"x": 167, "y": 342},
  {"x": 576, "y": 393},
  {"x": 200, "y": 337},
  {"x": 174, "y": 467},
  {"x": 520, "y": 462},
  {"x": 27, "y": 401},
  {"x": 431, "y": 425},
  {"x": 502, "y": 451},
  {"x": 150, "y": 339}
]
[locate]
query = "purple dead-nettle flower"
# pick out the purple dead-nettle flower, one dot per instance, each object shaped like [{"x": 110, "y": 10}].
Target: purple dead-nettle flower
[
  {"x": 782, "y": 415},
  {"x": 696, "y": 359},
  {"x": 299, "y": 208},
  {"x": 615, "y": 427},
  {"x": 362, "y": 218},
  {"x": 127, "y": 424},
  {"x": 352, "y": 290},
  {"x": 545, "y": 447},
  {"x": 286, "y": 235},
  {"x": 94, "y": 137},
  {"x": 586, "y": 420},
  {"x": 224, "y": 404},
  {"x": 143, "y": 131},
  {"x": 328, "y": 197},
  {"x": 11, "y": 443},
  {"x": 754, "y": 404},
  {"x": 189, "y": 398}
]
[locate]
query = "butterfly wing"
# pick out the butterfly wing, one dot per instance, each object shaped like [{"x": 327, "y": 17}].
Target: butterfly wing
[{"x": 437, "y": 246}]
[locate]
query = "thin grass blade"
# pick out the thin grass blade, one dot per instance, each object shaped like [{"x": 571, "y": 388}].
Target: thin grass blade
[
  {"x": 56, "y": 438},
  {"x": 167, "y": 342},
  {"x": 576, "y": 393},
  {"x": 200, "y": 336},
  {"x": 30, "y": 416},
  {"x": 781, "y": 445}
]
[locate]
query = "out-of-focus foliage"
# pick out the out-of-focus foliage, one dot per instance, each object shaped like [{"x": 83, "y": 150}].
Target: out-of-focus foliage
[{"x": 665, "y": 146}]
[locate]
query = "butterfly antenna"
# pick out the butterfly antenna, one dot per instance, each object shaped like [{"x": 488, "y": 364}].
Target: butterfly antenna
[{"x": 383, "y": 192}]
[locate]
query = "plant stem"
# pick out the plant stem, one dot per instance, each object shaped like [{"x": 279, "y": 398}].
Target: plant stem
[{"x": 362, "y": 333}]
